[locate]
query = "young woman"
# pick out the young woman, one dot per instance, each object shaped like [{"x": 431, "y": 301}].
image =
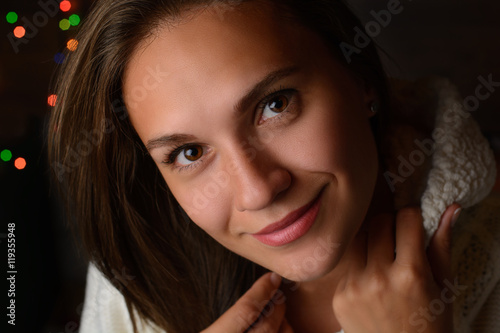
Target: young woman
[{"x": 206, "y": 143}]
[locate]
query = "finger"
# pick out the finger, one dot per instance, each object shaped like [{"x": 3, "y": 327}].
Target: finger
[
  {"x": 410, "y": 237},
  {"x": 254, "y": 306},
  {"x": 270, "y": 319},
  {"x": 439, "y": 251},
  {"x": 381, "y": 240}
]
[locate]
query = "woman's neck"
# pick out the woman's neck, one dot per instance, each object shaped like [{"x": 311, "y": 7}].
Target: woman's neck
[{"x": 309, "y": 304}]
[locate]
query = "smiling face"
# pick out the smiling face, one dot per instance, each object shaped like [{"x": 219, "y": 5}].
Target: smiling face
[{"x": 260, "y": 134}]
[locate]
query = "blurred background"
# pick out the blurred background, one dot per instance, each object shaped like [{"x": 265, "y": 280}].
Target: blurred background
[{"x": 454, "y": 39}]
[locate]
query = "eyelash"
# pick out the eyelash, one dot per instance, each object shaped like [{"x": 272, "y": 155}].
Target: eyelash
[
  {"x": 172, "y": 155},
  {"x": 274, "y": 93}
]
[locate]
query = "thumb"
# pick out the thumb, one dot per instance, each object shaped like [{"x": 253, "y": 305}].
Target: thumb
[
  {"x": 261, "y": 307},
  {"x": 439, "y": 251}
]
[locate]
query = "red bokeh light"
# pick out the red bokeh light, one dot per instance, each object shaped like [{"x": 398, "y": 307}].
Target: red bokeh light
[
  {"x": 19, "y": 32},
  {"x": 20, "y": 163},
  {"x": 65, "y": 5},
  {"x": 52, "y": 100}
]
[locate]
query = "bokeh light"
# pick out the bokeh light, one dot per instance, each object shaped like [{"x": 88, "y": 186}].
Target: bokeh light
[
  {"x": 59, "y": 58},
  {"x": 65, "y": 5},
  {"x": 74, "y": 20},
  {"x": 20, "y": 163},
  {"x": 11, "y": 17},
  {"x": 64, "y": 24},
  {"x": 6, "y": 155},
  {"x": 52, "y": 100},
  {"x": 72, "y": 44},
  {"x": 19, "y": 32}
]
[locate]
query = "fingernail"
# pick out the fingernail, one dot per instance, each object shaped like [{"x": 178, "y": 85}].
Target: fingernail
[
  {"x": 275, "y": 279},
  {"x": 455, "y": 216}
]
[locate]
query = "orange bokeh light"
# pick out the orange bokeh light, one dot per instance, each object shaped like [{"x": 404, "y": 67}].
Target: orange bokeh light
[
  {"x": 52, "y": 100},
  {"x": 65, "y": 5},
  {"x": 20, "y": 163},
  {"x": 19, "y": 32},
  {"x": 72, "y": 44}
]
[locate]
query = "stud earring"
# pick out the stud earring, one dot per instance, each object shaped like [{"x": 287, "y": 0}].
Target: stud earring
[{"x": 375, "y": 106}]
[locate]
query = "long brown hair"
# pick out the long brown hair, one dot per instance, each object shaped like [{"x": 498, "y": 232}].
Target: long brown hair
[{"x": 132, "y": 228}]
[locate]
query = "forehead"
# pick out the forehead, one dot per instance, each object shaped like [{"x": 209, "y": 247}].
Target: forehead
[{"x": 211, "y": 52}]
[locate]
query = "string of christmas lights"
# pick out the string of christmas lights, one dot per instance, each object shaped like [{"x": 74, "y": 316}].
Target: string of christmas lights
[{"x": 19, "y": 31}]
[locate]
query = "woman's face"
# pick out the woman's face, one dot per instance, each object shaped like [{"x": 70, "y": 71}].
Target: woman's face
[{"x": 260, "y": 134}]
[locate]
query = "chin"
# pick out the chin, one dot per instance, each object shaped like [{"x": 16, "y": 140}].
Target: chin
[
  {"x": 313, "y": 264},
  {"x": 301, "y": 274}
]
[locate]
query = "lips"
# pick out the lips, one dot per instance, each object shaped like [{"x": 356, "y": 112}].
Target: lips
[{"x": 291, "y": 227}]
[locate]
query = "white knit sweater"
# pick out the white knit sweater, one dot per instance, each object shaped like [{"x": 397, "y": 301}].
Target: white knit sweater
[{"x": 459, "y": 167}]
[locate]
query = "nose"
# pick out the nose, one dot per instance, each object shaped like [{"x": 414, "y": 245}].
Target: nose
[{"x": 256, "y": 179}]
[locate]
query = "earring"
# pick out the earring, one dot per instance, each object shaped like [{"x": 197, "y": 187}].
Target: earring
[{"x": 375, "y": 106}]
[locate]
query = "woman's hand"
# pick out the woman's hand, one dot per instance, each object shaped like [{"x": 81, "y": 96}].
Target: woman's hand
[
  {"x": 393, "y": 284},
  {"x": 260, "y": 310}
]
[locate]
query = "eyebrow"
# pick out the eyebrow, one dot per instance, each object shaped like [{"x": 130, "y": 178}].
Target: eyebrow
[
  {"x": 243, "y": 104},
  {"x": 263, "y": 85},
  {"x": 167, "y": 140}
]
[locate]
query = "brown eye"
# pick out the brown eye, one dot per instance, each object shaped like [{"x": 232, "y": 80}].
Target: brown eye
[
  {"x": 278, "y": 104},
  {"x": 186, "y": 155},
  {"x": 193, "y": 153}
]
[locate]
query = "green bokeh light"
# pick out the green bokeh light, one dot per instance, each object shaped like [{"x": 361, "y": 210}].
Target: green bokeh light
[
  {"x": 5, "y": 155},
  {"x": 11, "y": 17},
  {"x": 74, "y": 20},
  {"x": 64, "y": 24}
]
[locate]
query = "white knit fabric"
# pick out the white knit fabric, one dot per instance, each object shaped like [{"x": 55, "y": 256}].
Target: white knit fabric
[
  {"x": 463, "y": 165},
  {"x": 476, "y": 262},
  {"x": 462, "y": 170},
  {"x": 105, "y": 310}
]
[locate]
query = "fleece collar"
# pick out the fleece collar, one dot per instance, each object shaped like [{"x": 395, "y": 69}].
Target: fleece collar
[{"x": 434, "y": 151}]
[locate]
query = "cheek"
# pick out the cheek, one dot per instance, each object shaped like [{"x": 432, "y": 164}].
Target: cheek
[
  {"x": 352, "y": 155},
  {"x": 340, "y": 124},
  {"x": 204, "y": 201},
  {"x": 331, "y": 139}
]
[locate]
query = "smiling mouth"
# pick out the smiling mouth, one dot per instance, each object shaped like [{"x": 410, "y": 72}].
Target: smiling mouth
[{"x": 291, "y": 227}]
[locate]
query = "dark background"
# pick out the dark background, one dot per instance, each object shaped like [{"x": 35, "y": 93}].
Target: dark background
[{"x": 450, "y": 38}]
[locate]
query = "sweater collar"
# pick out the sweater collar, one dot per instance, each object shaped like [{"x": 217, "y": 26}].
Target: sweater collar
[{"x": 434, "y": 151}]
